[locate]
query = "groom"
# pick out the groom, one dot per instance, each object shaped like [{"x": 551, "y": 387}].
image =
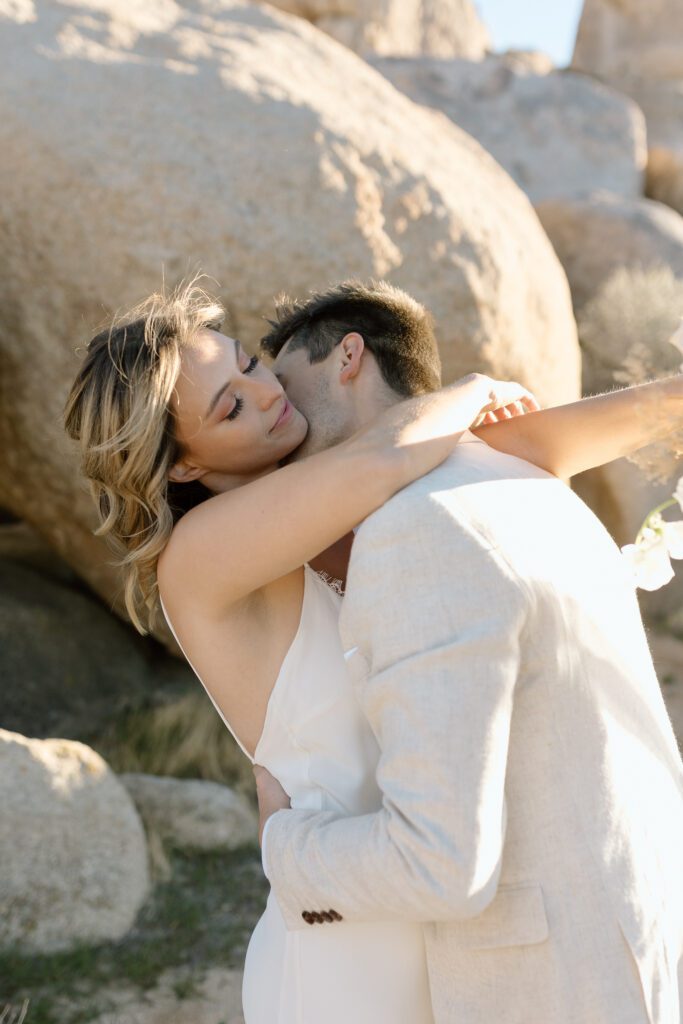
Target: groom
[{"x": 532, "y": 811}]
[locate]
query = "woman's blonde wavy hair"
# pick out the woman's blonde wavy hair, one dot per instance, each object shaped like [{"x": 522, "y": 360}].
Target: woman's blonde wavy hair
[{"x": 119, "y": 410}]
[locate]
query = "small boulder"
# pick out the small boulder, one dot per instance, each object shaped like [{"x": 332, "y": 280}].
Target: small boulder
[
  {"x": 596, "y": 235},
  {"x": 72, "y": 847},
  {"x": 193, "y": 814}
]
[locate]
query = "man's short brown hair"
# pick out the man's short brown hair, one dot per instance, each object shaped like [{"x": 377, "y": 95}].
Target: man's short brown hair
[{"x": 395, "y": 328}]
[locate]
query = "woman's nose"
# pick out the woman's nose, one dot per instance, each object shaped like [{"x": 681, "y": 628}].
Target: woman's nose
[{"x": 266, "y": 391}]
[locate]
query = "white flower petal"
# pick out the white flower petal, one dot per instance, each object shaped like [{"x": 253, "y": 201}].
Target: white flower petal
[
  {"x": 650, "y": 564},
  {"x": 673, "y": 538}
]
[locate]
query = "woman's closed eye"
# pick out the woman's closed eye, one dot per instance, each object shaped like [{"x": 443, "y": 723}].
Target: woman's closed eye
[
  {"x": 236, "y": 409},
  {"x": 239, "y": 402}
]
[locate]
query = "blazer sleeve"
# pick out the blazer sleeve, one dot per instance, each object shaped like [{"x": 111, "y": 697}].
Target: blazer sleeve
[{"x": 437, "y": 614}]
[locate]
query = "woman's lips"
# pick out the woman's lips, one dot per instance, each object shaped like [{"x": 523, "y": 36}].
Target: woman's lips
[{"x": 285, "y": 414}]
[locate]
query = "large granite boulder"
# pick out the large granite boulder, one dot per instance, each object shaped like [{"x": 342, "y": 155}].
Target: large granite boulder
[
  {"x": 444, "y": 28},
  {"x": 626, "y": 41},
  {"x": 193, "y": 814},
  {"x": 72, "y": 847},
  {"x": 638, "y": 48},
  {"x": 68, "y": 666},
  {"x": 558, "y": 134},
  {"x": 141, "y": 138},
  {"x": 596, "y": 235}
]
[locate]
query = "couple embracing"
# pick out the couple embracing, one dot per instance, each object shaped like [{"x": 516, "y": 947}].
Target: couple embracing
[{"x": 428, "y": 646}]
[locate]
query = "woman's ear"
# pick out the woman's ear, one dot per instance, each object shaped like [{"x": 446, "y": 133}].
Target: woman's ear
[
  {"x": 182, "y": 472},
  {"x": 351, "y": 350}
]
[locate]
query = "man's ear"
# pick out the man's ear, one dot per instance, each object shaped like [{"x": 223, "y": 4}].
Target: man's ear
[
  {"x": 351, "y": 349},
  {"x": 182, "y": 472}
]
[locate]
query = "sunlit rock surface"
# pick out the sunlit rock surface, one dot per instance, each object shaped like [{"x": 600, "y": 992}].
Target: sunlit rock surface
[
  {"x": 140, "y": 139},
  {"x": 443, "y": 28},
  {"x": 638, "y": 48},
  {"x": 596, "y": 235},
  {"x": 558, "y": 134}
]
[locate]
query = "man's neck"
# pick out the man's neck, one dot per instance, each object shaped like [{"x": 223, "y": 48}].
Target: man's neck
[{"x": 369, "y": 405}]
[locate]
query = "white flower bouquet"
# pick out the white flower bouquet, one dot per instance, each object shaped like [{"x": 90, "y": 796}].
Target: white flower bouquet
[{"x": 657, "y": 542}]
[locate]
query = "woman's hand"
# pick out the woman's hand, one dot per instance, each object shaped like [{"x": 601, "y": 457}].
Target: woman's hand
[
  {"x": 569, "y": 439},
  {"x": 271, "y": 796},
  {"x": 507, "y": 399},
  {"x": 419, "y": 433}
]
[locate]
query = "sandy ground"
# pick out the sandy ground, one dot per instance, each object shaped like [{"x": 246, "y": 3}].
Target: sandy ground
[{"x": 219, "y": 1001}]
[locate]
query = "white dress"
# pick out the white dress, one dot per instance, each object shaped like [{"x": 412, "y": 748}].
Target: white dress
[{"x": 319, "y": 746}]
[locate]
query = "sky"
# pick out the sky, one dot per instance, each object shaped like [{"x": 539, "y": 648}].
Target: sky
[{"x": 548, "y": 25}]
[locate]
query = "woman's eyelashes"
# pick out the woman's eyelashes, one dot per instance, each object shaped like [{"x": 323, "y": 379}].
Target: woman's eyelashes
[
  {"x": 239, "y": 402},
  {"x": 236, "y": 409}
]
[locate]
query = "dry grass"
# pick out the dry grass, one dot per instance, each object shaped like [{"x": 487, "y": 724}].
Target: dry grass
[
  {"x": 14, "y": 1014},
  {"x": 184, "y": 737}
]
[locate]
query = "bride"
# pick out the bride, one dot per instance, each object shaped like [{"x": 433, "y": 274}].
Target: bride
[{"x": 182, "y": 437}]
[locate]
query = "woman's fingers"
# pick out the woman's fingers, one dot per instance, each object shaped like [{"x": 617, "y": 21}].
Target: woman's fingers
[
  {"x": 531, "y": 403},
  {"x": 508, "y": 399},
  {"x": 516, "y": 404}
]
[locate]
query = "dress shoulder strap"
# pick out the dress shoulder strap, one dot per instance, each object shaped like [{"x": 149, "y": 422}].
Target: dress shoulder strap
[{"x": 224, "y": 719}]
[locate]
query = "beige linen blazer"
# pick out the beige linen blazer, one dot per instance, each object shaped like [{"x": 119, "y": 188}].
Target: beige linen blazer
[{"x": 532, "y": 797}]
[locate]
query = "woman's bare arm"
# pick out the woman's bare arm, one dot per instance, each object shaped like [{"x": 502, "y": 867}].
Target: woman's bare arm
[
  {"x": 568, "y": 439},
  {"x": 234, "y": 543}
]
